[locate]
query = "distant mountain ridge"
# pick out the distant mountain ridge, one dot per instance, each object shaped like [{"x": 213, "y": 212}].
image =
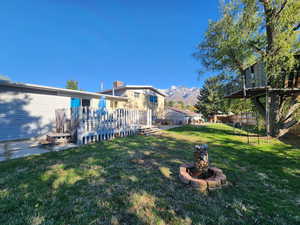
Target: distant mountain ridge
[{"x": 182, "y": 93}]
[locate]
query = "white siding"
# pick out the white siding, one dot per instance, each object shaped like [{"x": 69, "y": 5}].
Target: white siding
[
  {"x": 176, "y": 117},
  {"x": 27, "y": 115}
]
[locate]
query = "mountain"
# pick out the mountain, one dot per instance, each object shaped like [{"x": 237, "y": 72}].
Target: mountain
[{"x": 182, "y": 93}]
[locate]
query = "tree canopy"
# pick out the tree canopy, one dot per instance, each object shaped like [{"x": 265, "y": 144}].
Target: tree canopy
[
  {"x": 251, "y": 30},
  {"x": 72, "y": 84}
]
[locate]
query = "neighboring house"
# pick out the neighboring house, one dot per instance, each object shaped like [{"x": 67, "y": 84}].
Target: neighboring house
[
  {"x": 140, "y": 97},
  {"x": 28, "y": 110},
  {"x": 178, "y": 116}
]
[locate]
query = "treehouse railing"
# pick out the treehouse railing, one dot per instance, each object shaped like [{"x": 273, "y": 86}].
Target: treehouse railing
[
  {"x": 233, "y": 87},
  {"x": 256, "y": 79}
]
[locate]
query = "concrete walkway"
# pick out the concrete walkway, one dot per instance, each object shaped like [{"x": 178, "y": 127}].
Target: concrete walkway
[
  {"x": 19, "y": 149},
  {"x": 167, "y": 127}
]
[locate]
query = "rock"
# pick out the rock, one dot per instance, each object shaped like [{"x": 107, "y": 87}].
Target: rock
[
  {"x": 200, "y": 184},
  {"x": 213, "y": 182},
  {"x": 183, "y": 173}
]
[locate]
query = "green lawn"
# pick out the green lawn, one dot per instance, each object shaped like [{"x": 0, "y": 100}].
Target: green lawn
[{"x": 134, "y": 180}]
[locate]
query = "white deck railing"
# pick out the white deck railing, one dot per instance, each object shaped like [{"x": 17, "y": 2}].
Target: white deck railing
[{"x": 91, "y": 125}]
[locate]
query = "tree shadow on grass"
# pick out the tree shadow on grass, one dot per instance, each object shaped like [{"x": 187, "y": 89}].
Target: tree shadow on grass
[{"x": 134, "y": 180}]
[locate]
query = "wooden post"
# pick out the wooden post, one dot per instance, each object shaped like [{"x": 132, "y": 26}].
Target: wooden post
[
  {"x": 268, "y": 113},
  {"x": 80, "y": 126}
]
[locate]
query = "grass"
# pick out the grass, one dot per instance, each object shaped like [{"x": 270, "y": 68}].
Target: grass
[{"x": 134, "y": 180}]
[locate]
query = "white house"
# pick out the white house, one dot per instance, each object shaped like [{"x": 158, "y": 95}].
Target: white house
[
  {"x": 28, "y": 110},
  {"x": 178, "y": 116},
  {"x": 141, "y": 97}
]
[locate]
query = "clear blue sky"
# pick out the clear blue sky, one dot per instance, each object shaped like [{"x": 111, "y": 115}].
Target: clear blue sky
[{"x": 139, "y": 42}]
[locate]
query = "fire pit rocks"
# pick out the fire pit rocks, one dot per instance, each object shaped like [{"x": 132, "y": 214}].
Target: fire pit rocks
[{"x": 200, "y": 175}]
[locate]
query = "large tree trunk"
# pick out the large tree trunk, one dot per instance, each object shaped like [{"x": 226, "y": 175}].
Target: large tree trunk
[
  {"x": 274, "y": 114},
  {"x": 279, "y": 123}
]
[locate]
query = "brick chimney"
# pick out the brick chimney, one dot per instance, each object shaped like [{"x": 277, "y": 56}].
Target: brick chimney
[{"x": 117, "y": 84}]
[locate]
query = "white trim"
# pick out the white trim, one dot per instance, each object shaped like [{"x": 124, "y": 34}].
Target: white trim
[{"x": 60, "y": 91}]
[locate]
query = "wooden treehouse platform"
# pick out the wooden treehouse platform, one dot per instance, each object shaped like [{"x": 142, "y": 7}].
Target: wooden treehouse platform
[
  {"x": 260, "y": 91},
  {"x": 255, "y": 83}
]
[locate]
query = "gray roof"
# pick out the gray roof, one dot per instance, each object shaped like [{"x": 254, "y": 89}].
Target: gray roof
[
  {"x": 185, "y": 112},
  {"x": 134, "y": 87},
  {"x": 56, "y": 91}
]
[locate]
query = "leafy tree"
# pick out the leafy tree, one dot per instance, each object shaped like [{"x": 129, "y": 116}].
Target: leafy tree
[
  {"x": 252, "y": 30},
  {"x": 223, "y": 48},
  {"x": 72, "y": 84}
]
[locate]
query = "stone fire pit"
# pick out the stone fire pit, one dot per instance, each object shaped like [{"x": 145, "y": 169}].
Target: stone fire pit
[{"x": 200, "y": 175}]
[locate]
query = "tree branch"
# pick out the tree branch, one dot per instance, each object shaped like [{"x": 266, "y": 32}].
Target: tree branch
[
  {"x": 281, "y": 106},
  {"x": 291, "y": 111},
  {"x": 232, "y": 55},
  {"x": 290, "y": 123},
  {"x": 281, "y": 8},
  {"x": 286, "y": 127},
  {"x": 257, "y": 49},
  {"x": 260, "y": 107}
]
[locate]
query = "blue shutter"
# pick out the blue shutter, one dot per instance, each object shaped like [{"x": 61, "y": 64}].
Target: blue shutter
[
  {"x": 75, "y": 102},
  {"x": 102, "y": 106}
]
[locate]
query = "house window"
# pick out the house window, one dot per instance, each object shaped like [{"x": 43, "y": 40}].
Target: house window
[
  {"x": 85, "y": 102},
  {"x": 113, "y": 104},
  {"x": 136, "y": 94},
  {"x": 153, "y": 98}
]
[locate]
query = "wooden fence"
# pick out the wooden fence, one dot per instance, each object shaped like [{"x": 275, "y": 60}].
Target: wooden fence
[{"x": 91, "y": 125}]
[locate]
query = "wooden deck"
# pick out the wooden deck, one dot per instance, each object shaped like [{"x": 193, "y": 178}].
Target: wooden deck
[
  {"x": 260, "y": 91},
  {"x": 256, "y": 83}
]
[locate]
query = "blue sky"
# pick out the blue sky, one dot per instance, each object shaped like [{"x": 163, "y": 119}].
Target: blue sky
[{"x": 139, "y": 42}]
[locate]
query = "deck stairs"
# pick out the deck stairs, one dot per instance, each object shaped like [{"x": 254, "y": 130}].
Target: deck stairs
[{"x": 147, "y": 131}]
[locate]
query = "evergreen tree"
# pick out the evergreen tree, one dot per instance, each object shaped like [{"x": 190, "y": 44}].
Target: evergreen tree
[{"x": 210, "y": 99}]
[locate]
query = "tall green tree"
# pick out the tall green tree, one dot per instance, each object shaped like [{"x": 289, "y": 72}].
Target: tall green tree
[
  {"x": 252, "y": 30},
  {"x": 210, "y": 99},
  {"x": 72, "y": 84}
]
